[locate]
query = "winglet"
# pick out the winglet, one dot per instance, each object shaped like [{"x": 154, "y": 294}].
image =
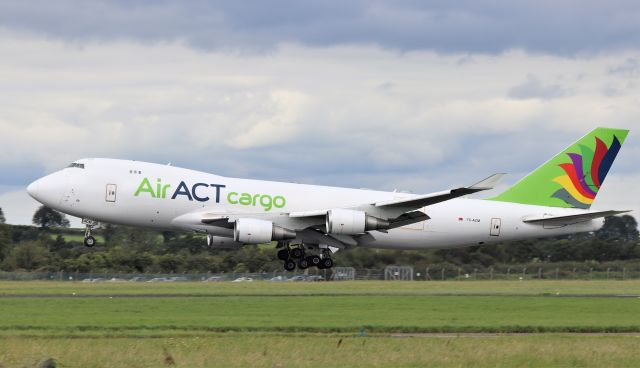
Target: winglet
[{"x": 488, "y": 183}]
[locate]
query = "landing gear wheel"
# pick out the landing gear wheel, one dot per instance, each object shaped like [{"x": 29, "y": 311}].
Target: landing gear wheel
[
  {"x": 327, "y": 263},
  {"x": 283, "y": 254},
  {"x": 289, "y": 265},
  {"x": 314, "y": 260},
  {"x": 297, "y": 253},
  {"x": 89, "y": 241},
  {"x": 303, "y": 264}
]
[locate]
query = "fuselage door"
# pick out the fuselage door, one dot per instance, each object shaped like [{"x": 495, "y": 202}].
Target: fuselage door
[
  {"x": 495, "y": 227},
  {"x": 111, "y": 193}
]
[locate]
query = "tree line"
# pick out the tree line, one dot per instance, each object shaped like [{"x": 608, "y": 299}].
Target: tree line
[{"x": 50, "y": 246}]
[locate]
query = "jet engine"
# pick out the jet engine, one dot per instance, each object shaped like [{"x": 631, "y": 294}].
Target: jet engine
[
  {"x": 221, "y": 242},
  {"x": 350, "y": 222},
  {"x": 255, "y": 231}
]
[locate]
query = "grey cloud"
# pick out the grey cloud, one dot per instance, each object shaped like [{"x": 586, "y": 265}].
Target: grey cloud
[
  {"x": 466, "y": 59},
  {"x": 534, "y": 88},
  {"x": 466, "y": 26},
  {"x": 386, "y": 87},
  {"x": 630, "y": 68},
  {"x": 610, "y": 90}
]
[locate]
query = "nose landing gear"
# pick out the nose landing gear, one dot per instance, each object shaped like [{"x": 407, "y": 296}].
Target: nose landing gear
[{"x": 89, "y": 241}]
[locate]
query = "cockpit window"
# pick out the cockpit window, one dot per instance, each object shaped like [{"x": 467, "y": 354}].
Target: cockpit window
[{"x": 78, "y": 165}]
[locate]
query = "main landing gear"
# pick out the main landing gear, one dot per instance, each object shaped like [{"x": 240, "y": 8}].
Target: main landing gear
[
  {"x": 298, "y": 256},
  {"x": 89, "y": 241}
]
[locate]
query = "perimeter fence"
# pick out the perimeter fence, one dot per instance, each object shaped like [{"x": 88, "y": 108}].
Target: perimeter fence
[{"x": 395, "y": 272}]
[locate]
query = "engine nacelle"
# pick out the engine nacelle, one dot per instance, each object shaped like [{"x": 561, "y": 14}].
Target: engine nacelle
[
  {"x": 222, "y": 242},
  {"x": 255, "y": 231},
  {"x": 350, "y": 222}
]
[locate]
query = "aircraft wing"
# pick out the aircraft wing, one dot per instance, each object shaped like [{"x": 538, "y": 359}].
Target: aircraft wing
[
  {"x": 571, "y": 219},
  {"x": 433, "y": 198},
  {"x": 396, "y": 207},
  {"x": 311, "y": 224}
]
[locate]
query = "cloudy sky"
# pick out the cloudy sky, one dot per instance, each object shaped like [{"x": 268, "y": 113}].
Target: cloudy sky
[{"x": 407, "y": 95}]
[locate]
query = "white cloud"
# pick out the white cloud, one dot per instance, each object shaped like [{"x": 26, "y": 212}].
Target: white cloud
[
  {"x": 619, "y": 192},
  {"x": 356, "y": 116},
  {"x": 278, "y": 127},
  {"x": 534, "y": 88}
]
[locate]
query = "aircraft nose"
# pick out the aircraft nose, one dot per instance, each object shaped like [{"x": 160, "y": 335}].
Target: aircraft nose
[
  {"x": 32, "y": 189},
  {"x": 49, "y": 189}
]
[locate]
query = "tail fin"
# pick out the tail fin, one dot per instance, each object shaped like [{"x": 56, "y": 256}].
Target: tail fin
[{"x": 573, "y": 177}]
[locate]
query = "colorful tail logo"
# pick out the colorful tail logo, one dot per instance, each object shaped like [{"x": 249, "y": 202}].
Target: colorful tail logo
[{"x": 585, "y": 173}]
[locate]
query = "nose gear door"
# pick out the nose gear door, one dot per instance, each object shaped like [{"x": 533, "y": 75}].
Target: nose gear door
[{"x": 111, "y": 193}]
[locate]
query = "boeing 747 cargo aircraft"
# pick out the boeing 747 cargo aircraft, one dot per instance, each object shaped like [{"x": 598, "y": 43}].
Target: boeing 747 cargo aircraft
[{"x": 310, "y": 222}]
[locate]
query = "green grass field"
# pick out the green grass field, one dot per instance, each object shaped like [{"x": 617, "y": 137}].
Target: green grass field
[
  {"x": 417, "y": 288},
  {"x": 256, "y": 350},
  {"x": 300, "y": 324},
  {"x": 77, "y": 237}
]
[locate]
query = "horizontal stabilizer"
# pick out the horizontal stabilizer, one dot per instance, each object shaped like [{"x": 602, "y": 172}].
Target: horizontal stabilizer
[{"x": 572, "y": 219}]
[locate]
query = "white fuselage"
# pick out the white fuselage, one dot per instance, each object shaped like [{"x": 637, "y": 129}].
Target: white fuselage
[{"x": 166, "y": 197}]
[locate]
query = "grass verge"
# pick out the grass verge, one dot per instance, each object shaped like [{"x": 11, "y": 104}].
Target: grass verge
[{"x": 258, "y": 350}]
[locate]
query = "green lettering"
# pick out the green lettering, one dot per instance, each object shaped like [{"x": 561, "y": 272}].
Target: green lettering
[
  {"x": 268, "y": 204},
  {"x": 279, "y": 201},
  {"x": 266, "y": 201},
  {"x": 245, "y": 199},
  {"x": 164, "y": 190},
  {"x": 145, "y": 186}
]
